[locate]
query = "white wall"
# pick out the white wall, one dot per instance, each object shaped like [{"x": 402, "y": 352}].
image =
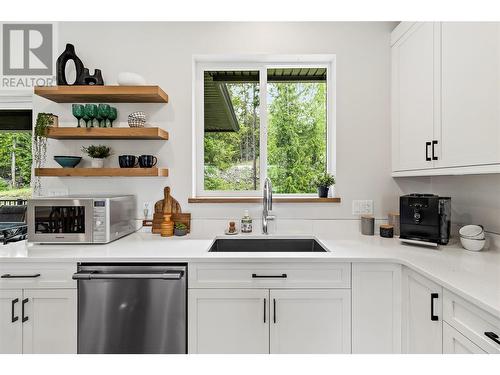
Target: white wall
[{"x": 162, "y": 53}]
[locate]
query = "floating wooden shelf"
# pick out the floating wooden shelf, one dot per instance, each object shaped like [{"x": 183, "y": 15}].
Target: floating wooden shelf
[
  {"x": 103, "y": 94},
  {"x": 259, "y": 200},
  {"x": 101, "y": 172},
  {"x": 106, "y": 133}
]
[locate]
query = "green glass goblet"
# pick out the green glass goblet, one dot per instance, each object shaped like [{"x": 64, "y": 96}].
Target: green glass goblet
[
  {"x": 113, "y": 115},
  {"x": 78, "y": 112},
  {"x": 103, "y": 114},
  {"x": 91, "y": 112}
]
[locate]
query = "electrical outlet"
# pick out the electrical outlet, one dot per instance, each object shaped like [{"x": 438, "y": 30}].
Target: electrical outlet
[{"x": 362, "y": 207}]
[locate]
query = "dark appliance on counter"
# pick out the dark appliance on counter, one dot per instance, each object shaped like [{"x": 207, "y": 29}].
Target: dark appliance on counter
[
  {"x": 132, "y": 308},
  {"x": 425, "y": 219}
]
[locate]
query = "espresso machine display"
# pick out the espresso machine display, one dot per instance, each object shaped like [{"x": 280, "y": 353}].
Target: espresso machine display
[{"x": 425, "y": 218}]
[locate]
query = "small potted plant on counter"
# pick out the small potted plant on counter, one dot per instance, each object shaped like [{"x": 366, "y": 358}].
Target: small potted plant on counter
[
  {"x": 323, "y": 183},
  {"x": 98, "y": 153},
  {"x": 180, "y": 229}
]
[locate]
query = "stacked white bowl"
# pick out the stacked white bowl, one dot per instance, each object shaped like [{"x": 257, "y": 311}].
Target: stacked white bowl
[{"x": 472, "y": 237}]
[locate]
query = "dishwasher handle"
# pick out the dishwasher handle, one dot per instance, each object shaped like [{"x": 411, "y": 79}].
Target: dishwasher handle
[{"x": 104, "y": 276}]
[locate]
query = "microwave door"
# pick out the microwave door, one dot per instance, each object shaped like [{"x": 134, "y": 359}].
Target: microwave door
[{"x": 60, "y": 220}]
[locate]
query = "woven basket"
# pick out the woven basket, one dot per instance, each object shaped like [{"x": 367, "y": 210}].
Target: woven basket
[{"x": 137, "y": 119}]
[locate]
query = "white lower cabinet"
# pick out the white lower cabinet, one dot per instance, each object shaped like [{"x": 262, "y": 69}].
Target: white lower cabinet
[
  {"x": 376, "y": 308},
  {"x": 456, "y": 343},
  {"x": 310, "y": 321},
  {"x": 422, "y": 314},
  {"x": 37, "y": 321},
  {"x": 51, "y": 321},
  {"x": 11, "y": 331},
  {"x": 228, "y": 321},
  {"x": 256, "y": 321}
]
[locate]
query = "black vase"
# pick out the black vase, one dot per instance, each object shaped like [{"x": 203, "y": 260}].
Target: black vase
[
  {"x": 323, "y": 191},
  {"x": 68, "y": 54}
]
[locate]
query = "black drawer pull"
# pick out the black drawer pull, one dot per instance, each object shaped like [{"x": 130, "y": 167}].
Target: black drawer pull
[
  {"x": 427, "y": 157},
  {"x": 264, "y": 310},
  {"x": 9, "y": 276},
  {"x": 14, "y": 318},
  {"x": 493, "y": 336},
  {"x": 282, "y": 276},
  {"x": 274, "y": 310},
  {"x": 25, "y": 318},
  {"x": 433, "y": 297},
  {"x": 434, "y": 157}
]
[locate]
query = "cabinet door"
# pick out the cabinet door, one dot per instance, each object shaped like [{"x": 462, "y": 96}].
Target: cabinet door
[
  {"x": 456, "y": 343},
  {"x": 470, "y": 94},
  {"x": 310, "y": 321},
  {"x": 415, "y": 69},
  {"x": 11, "y": 338},
  {"x": 50, "y": 321},
  {"x": 376, "y": 308},
  {"x": 227, "y": 321},
  {"x": 422, "y": 314}
]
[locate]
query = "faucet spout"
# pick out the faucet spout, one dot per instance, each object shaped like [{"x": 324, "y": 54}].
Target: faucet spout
[{"x": 267, "y": 205}]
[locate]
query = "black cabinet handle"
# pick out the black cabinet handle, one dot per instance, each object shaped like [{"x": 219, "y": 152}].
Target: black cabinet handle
[
  {"x": 9, "y": 276},
  {"x": 427, "y": 145},
  {"x": 282, "y": 276},
  {"x": 264, "y": 310},
  {"x": 493, "y": 336},
  {"x": 25, "y": 318},
  {"x": 14, "y": 318},
  {"x": 274, "y": 310},
  {"x": 433, "y": 297},
  {"x": 434, "y": 157}
]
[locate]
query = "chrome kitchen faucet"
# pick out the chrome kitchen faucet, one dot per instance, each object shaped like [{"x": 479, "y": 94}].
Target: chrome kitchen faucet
[{"x": 267, "y": 203}]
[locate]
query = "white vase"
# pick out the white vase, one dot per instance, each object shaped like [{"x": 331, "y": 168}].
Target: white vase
[{"x": 97, "y": 163}]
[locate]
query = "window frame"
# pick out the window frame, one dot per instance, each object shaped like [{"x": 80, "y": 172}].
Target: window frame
[{"x": 261, "y": 63}]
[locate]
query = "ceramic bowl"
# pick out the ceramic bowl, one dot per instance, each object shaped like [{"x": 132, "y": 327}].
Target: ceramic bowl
[
  {"x": 68, "y": 161},
  {"x": 130, "y": 79},
  {"x": 472, "y": 244},
  {"x": 472, "y": 232}
]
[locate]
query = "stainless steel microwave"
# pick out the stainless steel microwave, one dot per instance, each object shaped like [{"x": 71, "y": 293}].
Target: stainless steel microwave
[{"x": 81, "y": 219}]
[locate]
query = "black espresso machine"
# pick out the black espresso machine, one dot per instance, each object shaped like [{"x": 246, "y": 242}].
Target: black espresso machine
[{"x": 425, "y": 219}]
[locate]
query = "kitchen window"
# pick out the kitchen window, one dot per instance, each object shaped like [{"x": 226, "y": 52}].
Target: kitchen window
[{"x": 263, "y": 118}]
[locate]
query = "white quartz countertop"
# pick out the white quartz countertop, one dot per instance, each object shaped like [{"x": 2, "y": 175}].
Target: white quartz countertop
[{"x": 474, "y": 276}]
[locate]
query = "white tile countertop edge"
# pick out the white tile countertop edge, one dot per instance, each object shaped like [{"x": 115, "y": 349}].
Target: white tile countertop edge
[{"x": 474, "y": 276}]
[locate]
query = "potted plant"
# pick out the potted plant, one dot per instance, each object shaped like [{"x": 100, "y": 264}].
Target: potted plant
[
  {"x": 323, "y": 183},
  {"x": 42, "y": 123},
  {"x": 98, "y": 153},
  {"x": 180, "y": 229}
]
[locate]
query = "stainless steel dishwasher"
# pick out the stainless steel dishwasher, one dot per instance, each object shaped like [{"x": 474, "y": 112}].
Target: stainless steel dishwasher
[{"x": 132, "y": 308}]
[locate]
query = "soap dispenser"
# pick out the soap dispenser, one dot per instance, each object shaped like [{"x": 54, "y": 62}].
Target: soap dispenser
[{"x": 246, "y": 223}]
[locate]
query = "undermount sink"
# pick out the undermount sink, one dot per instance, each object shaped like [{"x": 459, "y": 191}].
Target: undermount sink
[{"x": 279, "y": 245}]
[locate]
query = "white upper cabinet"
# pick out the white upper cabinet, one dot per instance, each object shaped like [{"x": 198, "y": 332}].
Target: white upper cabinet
[
  {"x": 470, "y": 126},
  {"x": 445, "y": 98},
  {"x": 413, "y": 102}
]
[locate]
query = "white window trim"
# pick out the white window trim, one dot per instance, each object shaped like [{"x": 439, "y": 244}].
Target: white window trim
[{"x": 261, "y": 63}]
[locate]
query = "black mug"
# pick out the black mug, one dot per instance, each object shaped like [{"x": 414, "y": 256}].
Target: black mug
[
  {"x": 127, "y": 161},
  {"x": 147, "y": 161}
]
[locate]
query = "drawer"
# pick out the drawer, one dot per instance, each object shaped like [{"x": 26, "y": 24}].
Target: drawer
[
  {"x": 23, "y": 275},
  {"x": 471, "y": 321},
  {"x": 456, "y": 343},
  {"x": 269, "y": 275}
]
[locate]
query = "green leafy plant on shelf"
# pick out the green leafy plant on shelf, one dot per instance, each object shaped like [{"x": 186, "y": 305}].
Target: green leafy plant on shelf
[
  {"x": 324, "y": 180},
  {"x": 42, "y": 123},
  {"x": 97, "y": 151},
  {"x": 180, "y": 226}
]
